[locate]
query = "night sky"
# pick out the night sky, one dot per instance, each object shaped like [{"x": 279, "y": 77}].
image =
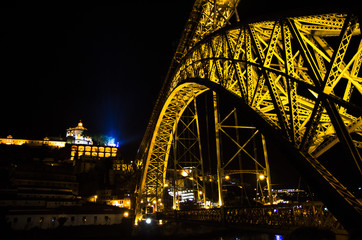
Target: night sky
[{"x": 104, "y": 66}]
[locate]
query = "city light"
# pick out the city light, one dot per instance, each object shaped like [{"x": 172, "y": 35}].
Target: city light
[
  {"x": 111, "y": 142},
  {"x": 261, "y": 176}
]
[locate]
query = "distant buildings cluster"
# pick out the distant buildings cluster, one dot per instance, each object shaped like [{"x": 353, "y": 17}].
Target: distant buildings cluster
[
  {"x": 51, "y": 183},
  {"x": 81, "y": 144},
  {"x": 9, "y": 140}
]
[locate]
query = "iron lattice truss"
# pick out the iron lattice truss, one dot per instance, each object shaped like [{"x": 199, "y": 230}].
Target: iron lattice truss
[
  {"x": 154, "y": 172},
  {"x": 277, "y": 66},
  {"x": 205, "y": 18},
  {"x": 286, "y": 71},
  {"x": 282, "y": 217}
]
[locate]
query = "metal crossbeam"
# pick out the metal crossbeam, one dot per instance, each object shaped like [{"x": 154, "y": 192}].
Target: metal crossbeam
[{"x": 285, "y": 71}]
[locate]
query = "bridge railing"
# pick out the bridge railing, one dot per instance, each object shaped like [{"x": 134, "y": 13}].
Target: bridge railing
[{"x": 272, "y": 216}]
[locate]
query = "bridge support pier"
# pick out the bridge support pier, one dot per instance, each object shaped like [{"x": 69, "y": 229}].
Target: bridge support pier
[{"x": 218, "y": 151}]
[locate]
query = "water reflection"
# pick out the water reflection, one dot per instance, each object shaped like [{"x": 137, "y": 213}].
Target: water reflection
[{"x": 252, "y": 236}]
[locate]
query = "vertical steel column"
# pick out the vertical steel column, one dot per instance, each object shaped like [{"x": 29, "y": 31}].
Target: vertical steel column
[
  {"x": 175, "y": 203},
  {"x": 201, "y": 159},
  {"x": 218, "y": 151},
  {"x": 267, "y": 169},
  {"x": 239, "y": 157}
]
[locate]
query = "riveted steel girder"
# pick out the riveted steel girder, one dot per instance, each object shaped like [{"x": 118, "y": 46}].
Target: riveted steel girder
[{"x": 286, "y": 72}]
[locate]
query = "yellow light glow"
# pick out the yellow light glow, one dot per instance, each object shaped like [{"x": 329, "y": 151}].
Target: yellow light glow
[
  {"x": 125, "y": 214},
  {"x": 184, "y": 174},
  {"x": 261, "y": 176},
  {"x": 227, "y": 177}
]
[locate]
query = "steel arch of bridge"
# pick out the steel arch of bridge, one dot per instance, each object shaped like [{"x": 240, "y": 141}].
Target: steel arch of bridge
[{"x": 291, "y": 78}]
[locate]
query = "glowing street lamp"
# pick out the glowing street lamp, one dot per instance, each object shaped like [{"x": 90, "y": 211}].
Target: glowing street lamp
[{"x": 261, "y": 177}]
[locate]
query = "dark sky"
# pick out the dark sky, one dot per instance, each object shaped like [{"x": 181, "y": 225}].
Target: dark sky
[{"x": 104, "y": 66}]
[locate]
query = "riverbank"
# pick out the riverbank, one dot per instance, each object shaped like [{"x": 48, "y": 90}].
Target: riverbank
[{"x": 170, "y": 230}]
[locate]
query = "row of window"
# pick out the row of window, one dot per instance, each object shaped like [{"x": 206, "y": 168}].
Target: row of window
[
  {"x": 54, "y": 219},
  {"x": 94, "y": 154},
  {"x": 70, "y": 185},
  {"x": 94, "y": 149}
]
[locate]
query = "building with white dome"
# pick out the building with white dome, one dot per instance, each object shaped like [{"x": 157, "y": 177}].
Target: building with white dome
[{"x": 77, "y": 135}]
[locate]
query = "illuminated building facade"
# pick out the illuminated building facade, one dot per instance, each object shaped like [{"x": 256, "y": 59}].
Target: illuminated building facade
[
  {"x": 76, "y": 135},
  {"x": 67, "y": 217},
  {"x": 9, "y": 140},
  {"x": 92, "y": 151},
  {"x": 81, "y": 145}
]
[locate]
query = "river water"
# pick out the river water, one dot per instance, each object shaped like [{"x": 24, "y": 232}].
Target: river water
[{"x": 174, "y": 231}]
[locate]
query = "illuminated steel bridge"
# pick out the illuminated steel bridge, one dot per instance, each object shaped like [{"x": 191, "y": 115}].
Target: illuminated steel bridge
[{"x": 296, "y": 79}]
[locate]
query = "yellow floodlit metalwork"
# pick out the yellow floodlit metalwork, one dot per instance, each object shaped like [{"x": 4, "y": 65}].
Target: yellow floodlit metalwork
[
  {"x": 285, "y": 70},
  {"x": 258, "y": 63},
  {"x": 153, "y": 179}
]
